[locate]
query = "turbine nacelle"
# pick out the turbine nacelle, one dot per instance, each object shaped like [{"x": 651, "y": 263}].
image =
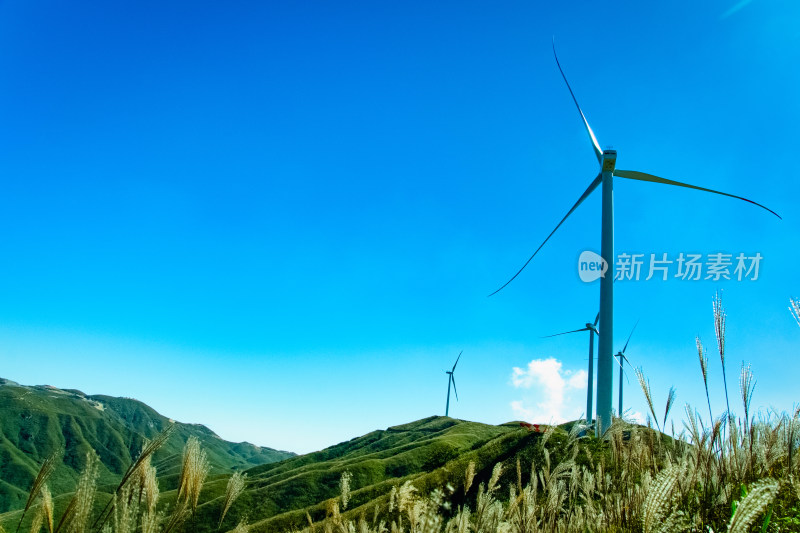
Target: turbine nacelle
[{"x": 609, "y": 161}]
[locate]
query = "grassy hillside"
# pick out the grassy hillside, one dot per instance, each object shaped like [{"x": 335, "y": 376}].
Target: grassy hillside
[
  {"x": 413, "y": 478},
  {"x": 37, "y": 421},
  {"x": 429, "y": 452}
]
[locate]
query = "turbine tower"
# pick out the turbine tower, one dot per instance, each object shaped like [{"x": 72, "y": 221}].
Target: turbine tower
[
  {"x": 607, "y": 160},
  {"x": 592, "y": 329},
  {"x": 621, "y": 360},
  {"x": 452, "y": 380}
]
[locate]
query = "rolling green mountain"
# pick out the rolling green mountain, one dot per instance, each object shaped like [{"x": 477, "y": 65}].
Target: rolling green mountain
[
  {"x": 37, "y": 421},
  {"x": 431, "y": 453},
  {"x": 282, "y": 490}
]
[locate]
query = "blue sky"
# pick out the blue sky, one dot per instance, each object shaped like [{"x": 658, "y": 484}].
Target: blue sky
[{"x": 282, "y": 219}]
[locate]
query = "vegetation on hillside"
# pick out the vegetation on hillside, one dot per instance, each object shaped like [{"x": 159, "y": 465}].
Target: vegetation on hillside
[{"x": 43, "y": 421}]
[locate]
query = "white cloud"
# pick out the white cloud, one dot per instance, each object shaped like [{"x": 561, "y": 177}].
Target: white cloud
[
  {"x": 578, "y": 379},
  {"x": 635, "y": 416},
  {"x": 553, "y": 401},
  {"x": 521, "y": 411}
]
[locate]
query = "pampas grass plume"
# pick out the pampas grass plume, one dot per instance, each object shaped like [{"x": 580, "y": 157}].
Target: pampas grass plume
[
  {"x": 756, "y": 502},
  {"x": 234, "y": 488}
]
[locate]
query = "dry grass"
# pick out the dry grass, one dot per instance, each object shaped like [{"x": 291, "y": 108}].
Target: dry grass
[
  {"x": 134, "y": 472},
  {"x": 38, "y": 520},
  {"x": 193, "y": 474},
  {"x": 753, "y": 505},
  {"x": 39, "y": 483},
  {"x": 234, "y": 488},
  {"x": 75, "y": 518},
  {"x": 719, "y": 330},
  {"x": 133, "y": 507},
  {"x": 344, "y": 488},
  {"x": 47, "y": 508},
  {"x": 469, "y": 476}
]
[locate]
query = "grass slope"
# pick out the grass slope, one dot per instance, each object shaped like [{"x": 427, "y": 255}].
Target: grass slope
[
  {"x": 431, "y": 453},
  {"x": 38, "y": 421}
]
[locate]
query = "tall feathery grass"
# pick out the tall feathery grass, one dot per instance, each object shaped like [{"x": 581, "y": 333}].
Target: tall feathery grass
[
  {"x": 134, "y": 504},
  {"x": 40, "y": 485},
  {"x": 193, "y": 474},
  {"x": 235, "y": 487}
]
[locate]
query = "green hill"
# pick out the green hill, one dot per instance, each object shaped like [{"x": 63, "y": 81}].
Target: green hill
[
  {"x": 430, "y": 453},
  {"x": 37, "y": 421},
  {"x": 281, "y": 489}
]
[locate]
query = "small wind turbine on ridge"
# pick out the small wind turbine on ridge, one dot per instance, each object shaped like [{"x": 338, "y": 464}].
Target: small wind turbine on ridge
[
  {"x": 621, "y": 360},
  {"x": 607, "y": 160},
  {"x": 452, "y": 380},
  {"x": 592, "y": 329}
]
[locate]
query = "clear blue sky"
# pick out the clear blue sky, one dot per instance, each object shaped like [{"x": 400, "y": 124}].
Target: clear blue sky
[{"x": 282, "y": 219}]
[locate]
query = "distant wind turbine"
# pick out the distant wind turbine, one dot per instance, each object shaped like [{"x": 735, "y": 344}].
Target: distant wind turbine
[
  {"x": 592, "y": 329},
  {"x": 451, "y": 380},
  {"x": 621, "y": 360},
  {"x": 607, "y": 160}
]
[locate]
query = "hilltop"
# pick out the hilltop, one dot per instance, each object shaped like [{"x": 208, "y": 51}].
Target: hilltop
[{"x": 430, "y": 453}]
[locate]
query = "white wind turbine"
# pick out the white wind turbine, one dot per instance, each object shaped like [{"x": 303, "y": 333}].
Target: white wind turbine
[
  {"x": 607, "y": 172},
  {"x": 592, "y": 329},
  {"x": 451, "y": 380}
]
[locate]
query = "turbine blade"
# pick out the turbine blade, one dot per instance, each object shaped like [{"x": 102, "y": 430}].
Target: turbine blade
[
  {"x": 454, "y": 386},
  {"x": 629, "y": 338},
  {"x": 597, "y": 151},
  {"x": 597, "y": 319},
  {"x": 641, "y": 176},
  {"x": 457, "y": 358},
  {"x": 565, "y": 333},
  {"x": 583, "y": 197},
  {"x": 619, "y": 362},
  {"x": 622, "y": 366}
]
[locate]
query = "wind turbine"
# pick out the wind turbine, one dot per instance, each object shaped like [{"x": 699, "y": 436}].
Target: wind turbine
[
  {"x": 607, "y": 160},
  {"x": 620, "y": 358},
  {"x": 452, "y": 380},
  {"x": 592, "y": 329}
]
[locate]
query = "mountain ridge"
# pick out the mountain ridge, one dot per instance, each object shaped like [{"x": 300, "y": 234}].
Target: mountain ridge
[
  {"x": 431, "y": 453},
  {"x": 40, "y": 420}
]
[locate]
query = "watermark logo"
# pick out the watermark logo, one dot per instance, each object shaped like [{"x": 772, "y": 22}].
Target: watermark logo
[
  {"x": 591, "y": 266},
  {"x": 684, "y": 266}
]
